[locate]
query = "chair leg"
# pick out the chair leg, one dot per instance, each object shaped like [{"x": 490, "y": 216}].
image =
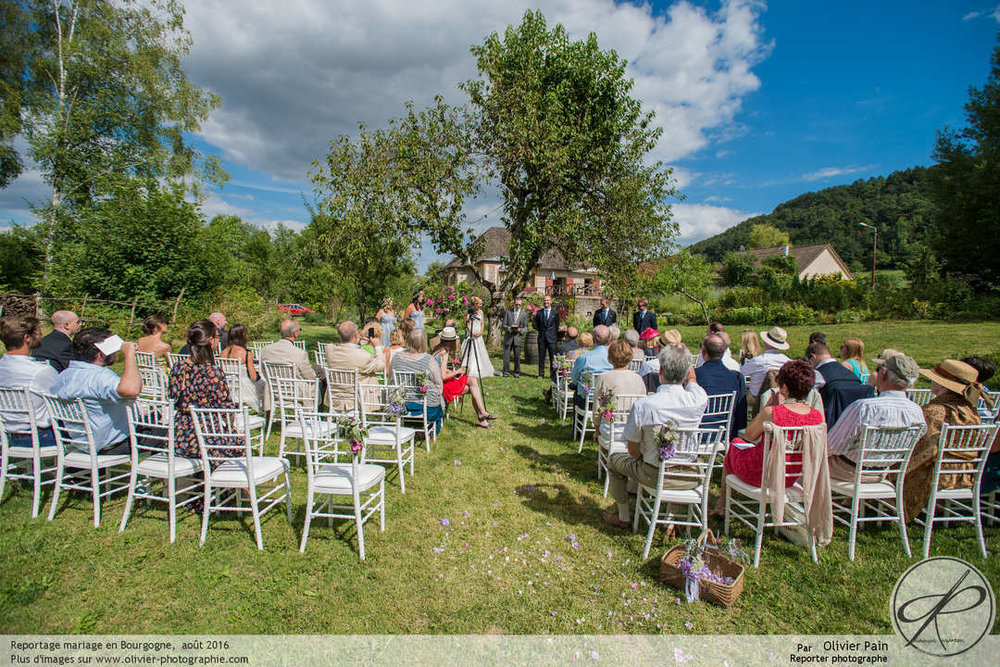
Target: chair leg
[
  {"x": 133, "y": 478},
  {"x": 902, "y": 524},
  {"x": 977, "y": 517},
  {"x": 761, "y": 511},
  {"x": 361, "y": 529},
  {"x": 305, "y": 528},
  {"x": 929, "y": 523},
  {"x": 55, "y": 492},
  {"x": 3, "y": 472},
  {"x": 256, "y": 517},
  {"x": 402, "y": 468},
  {"x": 95, "y": 490},
  {"x": 172, "y": 507},
  {"x": 653, "y": 517},
  {"x": 381, "y": 505},
  {"x": 288, "y": 495},
  {"x": 725, "y": 516},
  {"x": 853, "y": 534},
  {"x": 205, "y": 512}
]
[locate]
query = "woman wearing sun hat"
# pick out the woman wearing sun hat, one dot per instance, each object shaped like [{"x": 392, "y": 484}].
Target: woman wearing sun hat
[{"x": 956, "y": 400}]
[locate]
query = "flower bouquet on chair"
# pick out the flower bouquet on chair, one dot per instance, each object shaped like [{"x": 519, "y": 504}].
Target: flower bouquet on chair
[{"x": 706, "y": 569}]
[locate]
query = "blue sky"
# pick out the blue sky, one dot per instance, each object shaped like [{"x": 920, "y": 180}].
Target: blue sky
[{"x": 759, "y": 102}]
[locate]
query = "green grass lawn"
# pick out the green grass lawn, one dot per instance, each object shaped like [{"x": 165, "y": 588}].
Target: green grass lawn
[{"x": 513, "y": 497}]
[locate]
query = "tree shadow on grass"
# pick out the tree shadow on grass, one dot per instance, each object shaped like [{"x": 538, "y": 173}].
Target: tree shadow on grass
[
  {"x": 560, "y": 502},
  {"x": 580, "y": 466}
]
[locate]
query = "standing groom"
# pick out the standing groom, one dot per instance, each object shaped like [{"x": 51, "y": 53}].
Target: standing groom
[
  {"x": 605, "y": 315},
  {"x": 547, "y": 323},
  {"x": 515, "y": 321}
]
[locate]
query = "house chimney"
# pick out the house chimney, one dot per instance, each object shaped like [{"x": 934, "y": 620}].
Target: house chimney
[{"x": 786, "y": 251}]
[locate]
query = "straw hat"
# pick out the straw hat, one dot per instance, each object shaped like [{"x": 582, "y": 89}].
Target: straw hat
[
  {"x": 776, "y": 338},
  {"x": 958, "y": 377},
  {"x": 672, "y": 337},
  {"x": 448, "y": 333}
]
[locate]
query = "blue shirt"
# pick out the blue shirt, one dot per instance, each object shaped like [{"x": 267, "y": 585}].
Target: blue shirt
[
  {"x": 595, "y": 361},
  {"x": 98, "y": 387}
]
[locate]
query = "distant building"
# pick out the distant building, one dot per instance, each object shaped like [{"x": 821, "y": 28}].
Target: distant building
[{"x": 812, "y": 260}]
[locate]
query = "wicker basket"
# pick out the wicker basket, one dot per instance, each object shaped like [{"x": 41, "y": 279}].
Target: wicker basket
[{"x": 710, "y": 591}]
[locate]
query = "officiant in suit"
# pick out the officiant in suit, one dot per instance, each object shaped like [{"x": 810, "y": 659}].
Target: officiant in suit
[
  {"x": 605, "y": 315},
  {"x": 643, "y": 319},
  {"x": 547, "y": 323},
  {"x": 515, "y": 323}
]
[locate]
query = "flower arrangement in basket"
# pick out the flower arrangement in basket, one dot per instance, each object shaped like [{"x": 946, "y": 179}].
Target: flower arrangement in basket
[
  {"x": 397, "y": 402},
  {"x": 351, "y": 430},
  {"x": 706, "y": 568},
  {"x": 563, "y": 364},
  {"x": 423, "y": 381}
]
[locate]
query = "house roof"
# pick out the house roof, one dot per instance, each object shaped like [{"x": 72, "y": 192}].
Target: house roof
[
  {"x": 804, "y": 255},
  {"x": 496, "y": 241}
]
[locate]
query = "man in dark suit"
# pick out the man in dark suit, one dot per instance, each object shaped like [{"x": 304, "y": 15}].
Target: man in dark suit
[
  {"x": 643, "y": 319},
  {"x": 837, "y": 385},
  {"x": 515, "y": 323},
  {"x": 605, "y": 315},
  {"x": 715, "y": 379},
  {"x": 57, "y": 347},
  {"x": 547, "y": 323}
]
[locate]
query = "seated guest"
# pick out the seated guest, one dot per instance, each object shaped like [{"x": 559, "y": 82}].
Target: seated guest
[
  {"x": 986, "y": 369},
  {"x": 154, "y": 327},
  {"x": 650, "y": 369},
  {"x": 17, "y": 369},
  {"x": 890, "y": 409},
  {"x": 570, "y": 343},
  {"x": 219, "y": 320},
  {"x": 715, "y": 328},
  {"x": 749, "y": 346},
  {"x": 616, "y": 333},
  {"x": 816, "y": 337},
  {"x": 348, "y": 356},
  {"x": 773, "y": 357},
  {"x": 852, "y": 357},
  {"x": 414, "y": 359},
  {"x": 632, "y": 338},
  {"x": 787, "y": 408},
  {"x": 436, "y": 340},
  {"x": 251, "y": 383},
  {"x": 837, "y": 386},
  {"x": 956, "y": 400},
  {"x": 371, "y": 339},
  {"x": 105, "y": 395},
  {"x": 715, "y": 378},
  {"x": 619, "y": 381},
  {"x": 57, "y": 346},
  {"x": 197, "y": 382},
  {"x": 396, "y": 341},
  {"x": 285, "y": 351},
  {"x": 649, "y": 342},
  {"x": 585, "y": 341},
  {"x": 455, "y": 382},
  {"x": 594, "y": 361},
  {"x": 678, "y": 399}
]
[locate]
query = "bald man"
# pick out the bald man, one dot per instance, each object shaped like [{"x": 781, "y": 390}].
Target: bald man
[
  {"x": 57, "y": 347},
  {"x": 219, "y": 320}
]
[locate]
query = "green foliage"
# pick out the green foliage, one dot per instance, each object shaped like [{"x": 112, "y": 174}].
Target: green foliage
[
  {"x": 20, "y": 260},
  {"x": 965, "y": 187},
  {"x": 738, "y": 269},
  {"x": 766, "y": 236},
  {"x": 685, "y": 274},
  {"x": 242, "y": 305}
]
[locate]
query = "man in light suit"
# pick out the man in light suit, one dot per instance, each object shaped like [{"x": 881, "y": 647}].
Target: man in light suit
[
  {"x": 515, "y": 322},
  {"x": 349, "y": 356},
  {"x": 285, "y": 351},
  {"x": 605, "y": 315},
  {"x": 547, "y": 323},
  {"x": 643, "y": 319}
]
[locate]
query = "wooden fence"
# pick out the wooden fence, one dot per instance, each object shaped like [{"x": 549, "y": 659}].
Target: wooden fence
[{"x": 35, "y": 305}]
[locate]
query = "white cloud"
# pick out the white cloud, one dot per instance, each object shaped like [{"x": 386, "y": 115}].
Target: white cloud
[
  {"x": 699, "y": 221},
  {"x": 16, "y": 199},
  {"x": 831, "y": 172},
  {"x": 293, "y": 75}
]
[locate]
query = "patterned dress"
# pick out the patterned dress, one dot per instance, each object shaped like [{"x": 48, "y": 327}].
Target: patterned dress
[{"x": 200, "y": 386}]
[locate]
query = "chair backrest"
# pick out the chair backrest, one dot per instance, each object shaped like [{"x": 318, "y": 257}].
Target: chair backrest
[
  {"x": 987, "y": 414},
  {"x": 154, "y": 383},
  {"x": 886, "y": 450},
  {"x": 301, "y": 344},
  {"x": 274, "y": 369},
  {"x": 962, "y": 450},
  {"x": 864, "y": 377},
  {"x": 694, "y": 456},
  {"x": 145, "y": 360},
  {"x": 345, "y": 393},
  {"x": 719, "y": 411},
  {"x": 408, "y": 381},
  {"x": 295, "y": 395},
  {"x": 590, "y": 393},
  {"x": 16, "y": 401},
  {"x": 794, "y": 440},
  {"x": 219, "y": 432},
  {"x": 70, "y": 424},
  {"x": 256, "y": 346},
  {"x": 623, "y": 406},
  {"x": 919, "y": 396},
  {"x": 635, "y": 365},
  {"x": 151, "y": 429},
  {"x": 383, "y": 405},
  {"x": 320, "y": 354},
  {"x": 228, "y": 366},
  {"x": 175, "y": 358}
]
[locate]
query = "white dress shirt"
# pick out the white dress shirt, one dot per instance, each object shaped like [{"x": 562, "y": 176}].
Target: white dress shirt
[
  {"x": 19, "y": 370},
  {"x": 891, "y": 409},
  {"x": 756, "y": 369},
  {"x": 685, "y": 405}
]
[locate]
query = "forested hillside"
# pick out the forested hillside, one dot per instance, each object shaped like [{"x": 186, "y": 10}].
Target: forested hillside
[{"x": 896, "y": 203}]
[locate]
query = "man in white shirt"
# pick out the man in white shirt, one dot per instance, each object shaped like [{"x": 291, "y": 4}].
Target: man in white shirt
[
  {"x": 772, "y": 358},
  {"x": 890, "y": 409},
  {"x": 18, "y": 369},
  {"x": 678, "y": 399},
  {"x": 717, "y": 329}
]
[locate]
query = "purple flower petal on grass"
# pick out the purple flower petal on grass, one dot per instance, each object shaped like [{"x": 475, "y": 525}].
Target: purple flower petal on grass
[
  {"x": 445, "y": 522},
  {"x": 437, "y": 550}
]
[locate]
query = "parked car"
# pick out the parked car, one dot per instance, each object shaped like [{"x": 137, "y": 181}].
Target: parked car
[{"x": 295, "y": 308}]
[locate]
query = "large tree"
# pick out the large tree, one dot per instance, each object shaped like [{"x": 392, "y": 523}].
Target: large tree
[
  {"x": 101, "y": 98},
  {"x": 965, "y": 187}
]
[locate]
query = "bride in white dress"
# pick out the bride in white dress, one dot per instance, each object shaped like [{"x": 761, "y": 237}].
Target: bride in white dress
[{"x": 474, "y": 347}]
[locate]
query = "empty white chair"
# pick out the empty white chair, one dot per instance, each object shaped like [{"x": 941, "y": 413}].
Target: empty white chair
[
  {"x": 562, "y": 397},
  {"x": 344, "y": 391},
  {"x": 878, "y": 482},
  {"x": 227, "y": 477},
  {"x": 382, "y": 413},
  {"x": 301, "y": 344},
  {"x": 635, "y": 365},
  {"x": 333, "y": 470},
  {"x": 319, "y": 355},
  {"x": 151, "y": 430},
  {"x": 17, "y": 401},
  {"x": 752, "y": 505},
  {"x": 919, "y": 396},
  {"x": 106, "y": 473},
  {"x": 695, "y": 452},
  {"x": 294, "y": 396},
  {"x": 610, "y": 438},
  {"x": 962, "y": 450},
  {"x": 272, "y": 370}
]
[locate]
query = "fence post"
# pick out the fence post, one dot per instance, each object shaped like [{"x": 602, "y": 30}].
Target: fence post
[
  {"x": 131, "y": 314},
  {"x": 173, "y": 318},
  {"x": 83, "y": 309}
]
